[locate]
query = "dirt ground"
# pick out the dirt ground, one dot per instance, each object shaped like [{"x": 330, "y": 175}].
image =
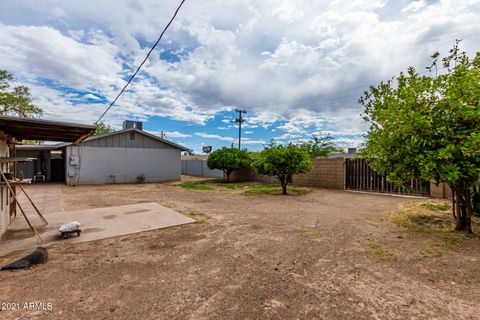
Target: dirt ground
[{"x": 253, "y": 257}]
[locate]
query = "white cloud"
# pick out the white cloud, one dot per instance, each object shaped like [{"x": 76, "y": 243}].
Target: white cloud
[
  {"x": 169, "y": 134},
  {"x": 286, "y": 136},
  {"x": 246, "y": 141},
  {"x": 44, "y": 52},
  {"x": 287, "y": 11},
  {"x": 91, "y": 96},
  {"x": 177, "y": 134},
  {"x": 214, "y": 136},
  {"x": 289, "y": 61},
  {"x": 415, "y": 6}
]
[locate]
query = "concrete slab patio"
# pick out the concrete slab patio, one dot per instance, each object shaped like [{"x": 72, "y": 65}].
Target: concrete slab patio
[{"x": 98, "y": 223}]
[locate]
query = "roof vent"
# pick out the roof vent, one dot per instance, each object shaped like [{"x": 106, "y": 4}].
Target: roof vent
[{"x": 129, "y": 124}]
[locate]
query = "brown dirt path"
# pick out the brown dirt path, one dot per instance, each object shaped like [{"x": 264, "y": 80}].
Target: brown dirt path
[{"x": 258, "y": 257}]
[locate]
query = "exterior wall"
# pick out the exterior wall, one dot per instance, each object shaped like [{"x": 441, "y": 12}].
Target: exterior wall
[
  {"x": 440, "y": 191},
  {"x": 326, "y": 173},
  {"x": 196, "y": 157},
  {"x": 93, "y": 165},
  {"x": 199, "y": 168},
  {"x": 4, "y": 194}
]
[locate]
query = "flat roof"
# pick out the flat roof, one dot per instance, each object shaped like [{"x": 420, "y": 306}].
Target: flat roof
[{"x": 45, "y": 130}]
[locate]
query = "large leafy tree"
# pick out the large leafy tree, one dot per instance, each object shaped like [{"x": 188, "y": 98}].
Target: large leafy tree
[
  {"x": 15, "y": 99},
  {"x": 229, "y": 160},
  {"x": 319, "y": 146},
  {"x": 428, "y": 127},
  {"x": 102, "y": 128},
  {"x": 283, "y": 162}
]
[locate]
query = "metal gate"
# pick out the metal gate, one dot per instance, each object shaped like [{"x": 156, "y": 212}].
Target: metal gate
[{"x": 359, "y": 176}]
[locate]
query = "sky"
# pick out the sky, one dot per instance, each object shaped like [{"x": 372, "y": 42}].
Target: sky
[{"x": 297, "y": 67}]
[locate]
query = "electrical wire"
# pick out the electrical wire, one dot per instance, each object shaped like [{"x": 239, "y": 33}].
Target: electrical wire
[{"x": 143, "y": 62}]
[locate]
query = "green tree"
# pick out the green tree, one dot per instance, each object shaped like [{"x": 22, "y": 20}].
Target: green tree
[
  {"x": 228, "y": 160},
  {"x": 283, "y": 162},
  {"x": 15, "y": 99},
  {"x": 319, "y": 146},
  {"x": 428, "y": 127},
  {"x": 102, "y": 128}
]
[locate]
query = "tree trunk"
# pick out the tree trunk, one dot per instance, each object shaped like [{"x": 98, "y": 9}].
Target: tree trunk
[
  {"x": 468, "y": 205},
  {"x": 284, "y": 183},
  {"x": 227, "y": 173},
  {"x": 463, "y": 208},
  {"x": 452, "y": 187}
]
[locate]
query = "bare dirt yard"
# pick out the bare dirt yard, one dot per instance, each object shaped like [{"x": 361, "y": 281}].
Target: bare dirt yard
[{"x": 321, "y": 255}]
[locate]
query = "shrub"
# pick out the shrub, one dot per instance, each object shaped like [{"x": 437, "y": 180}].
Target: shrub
[
  {"x": 228, "y": 160},
  {"x": 283, "y": 162}
]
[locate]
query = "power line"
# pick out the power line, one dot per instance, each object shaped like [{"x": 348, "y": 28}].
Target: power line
[{"x": 143, "y": 62}]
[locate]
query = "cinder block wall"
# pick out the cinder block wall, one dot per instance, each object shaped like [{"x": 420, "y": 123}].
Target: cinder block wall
[
  {"x": 326, "y": 173},
  {"x": 440, "y": 191}
]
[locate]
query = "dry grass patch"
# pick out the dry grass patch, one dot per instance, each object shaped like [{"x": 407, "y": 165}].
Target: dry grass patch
[
  {"x": 433, "y": 219},
  {"x": 380, "y": 252},
  {"x": 199, "y": 217},
  {"x": 306, "y": 232}
]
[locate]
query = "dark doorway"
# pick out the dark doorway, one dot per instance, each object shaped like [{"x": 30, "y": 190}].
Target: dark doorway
[{"x": 57, "y": 168}]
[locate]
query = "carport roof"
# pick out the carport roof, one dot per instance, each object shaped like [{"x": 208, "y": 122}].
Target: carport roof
[
  {"x": 46, "y": 130},
  {"x": 42, "y": 146}
]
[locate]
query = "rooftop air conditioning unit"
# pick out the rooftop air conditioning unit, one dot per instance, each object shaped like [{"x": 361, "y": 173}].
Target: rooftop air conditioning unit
[{"x": 129, "y": 124}]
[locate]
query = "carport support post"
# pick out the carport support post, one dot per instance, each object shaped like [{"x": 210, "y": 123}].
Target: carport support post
[
  {"x": 35, "y": 232},
  {"x": 13, "y": 168}
]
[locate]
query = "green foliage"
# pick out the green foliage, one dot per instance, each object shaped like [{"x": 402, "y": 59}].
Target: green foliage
[
  {"x": 195, "y": 185},
  {"x": 435, "y": 206},
  {"x": 320, "y": 146},
  {"x": 429, "y": 127},
  {"x": 283, "y": 162},
  {"x": 273, "y": 189},
  {"x": 102, "y": 128},
  {"x": 15, "y": 100},
  {"x": 228, "y": 160}
]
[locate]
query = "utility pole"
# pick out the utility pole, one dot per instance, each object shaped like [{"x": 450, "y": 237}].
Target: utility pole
[{"x": 240, "y": 120}]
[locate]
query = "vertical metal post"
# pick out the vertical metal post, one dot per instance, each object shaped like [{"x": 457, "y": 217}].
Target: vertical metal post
[{"x": 240, "y": 120}]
